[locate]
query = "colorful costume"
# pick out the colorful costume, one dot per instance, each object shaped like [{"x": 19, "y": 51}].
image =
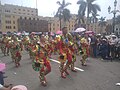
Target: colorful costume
[
  {"x": 41, "y": 62},
  {"x": 66, "y": 51},
  {"x": 15, "y": 49},
  {"x": 85, "y": 50},
  {"x": 5, "y": 45}
]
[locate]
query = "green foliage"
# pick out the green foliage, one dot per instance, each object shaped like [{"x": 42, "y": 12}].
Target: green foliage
[{"x": 89, "y": 6}]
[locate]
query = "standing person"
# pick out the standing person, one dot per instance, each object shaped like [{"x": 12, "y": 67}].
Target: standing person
[
  {"x": 41, "y": 62},
  {"x": 4, "y": 44},
  {"x": 113, "y": 42},
  {"x": 85, "y": 50},
  {"x": 66, "y": 54},
  {"x": 93, "y": 45},
  {"x": 104, "y": 49},
  {"x": 16, "y": 51}
]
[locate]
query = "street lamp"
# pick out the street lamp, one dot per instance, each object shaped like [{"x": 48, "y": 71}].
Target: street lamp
[
  {"x": 60, "y": 18},
  {"x": 114, "y": 13}
]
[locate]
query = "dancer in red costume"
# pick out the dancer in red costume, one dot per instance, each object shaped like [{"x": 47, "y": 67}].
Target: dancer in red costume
[
  {"x": 65, "y": 51},
  {"x": 41, "y": 62}
]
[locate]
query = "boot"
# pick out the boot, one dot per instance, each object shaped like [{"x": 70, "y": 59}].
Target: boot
[
  {"x": 44, "y": 82},
  {"x": 66, "y": 72},
  {"x": 63, "y": 75}
]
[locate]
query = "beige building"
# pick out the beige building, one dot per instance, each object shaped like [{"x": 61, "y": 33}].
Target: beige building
[
  {"x": 32, "y": 25},
  {"x": 9, "y": 14},
  {"x": 54, "y": 23}
]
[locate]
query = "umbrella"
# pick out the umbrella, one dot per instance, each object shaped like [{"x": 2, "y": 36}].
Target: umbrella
[
  {"x": 89, "y": 32},
  {"x": 19, "y": 87},
  {"x": 80, "y": 30},
  {"x": 2, "y": 66},
  {"x": 19, "y": 33},
  {"x": 51, "y": 33},
  {"x": 59, "y": 32}
]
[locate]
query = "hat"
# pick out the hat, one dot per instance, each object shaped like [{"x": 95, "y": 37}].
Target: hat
[
  {"x": 104, "y": 39},
  {"x": 38, "y": 42},
  {"x": 19, "y": 87}
]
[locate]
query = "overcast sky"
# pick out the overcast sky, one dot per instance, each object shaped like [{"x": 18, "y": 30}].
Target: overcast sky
[{"x": 49, "y": 7}]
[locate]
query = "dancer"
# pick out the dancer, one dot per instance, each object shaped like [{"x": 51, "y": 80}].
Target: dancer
[
  {"x": 85, "y": 49},
  {"x": 66, "y": 54},
  {"x": 41, "y": 62}
]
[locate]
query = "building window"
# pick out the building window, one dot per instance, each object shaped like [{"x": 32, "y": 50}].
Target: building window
[
  {"x": 20, "y": 17},
  {"x": 29, "y": 18},
  {"x": 8, "y": 22},
  {"x": 13, "y": 16},
  {"x": 7, "y": 16},
  {"x": 7, "y": 10},
  {"x": 23, "y": 9},
  {"x": 19, "y": 9},
  {"x": 14, "y": 27},
  {"x": 28, "y": 10},
  {"x": 10, "y": 27},
  {"x": 13, "y": 22},
  {"x": 33, "y": 18},
  {"x": 25, "y": 18}
]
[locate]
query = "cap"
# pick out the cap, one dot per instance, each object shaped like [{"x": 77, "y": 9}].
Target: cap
[{"x": 19, "y": 87}]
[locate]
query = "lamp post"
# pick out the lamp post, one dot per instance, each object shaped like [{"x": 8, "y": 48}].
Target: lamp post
[
  {"x": 60, "y": 18},
  {"x": 114, "y": 13}
]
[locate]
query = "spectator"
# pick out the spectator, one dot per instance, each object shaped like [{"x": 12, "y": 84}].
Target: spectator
[
  {"x": 93, "y": 45},
  {"x": 103, "y": 49}
]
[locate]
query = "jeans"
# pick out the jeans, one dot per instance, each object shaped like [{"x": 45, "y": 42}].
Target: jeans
[{"x": 1, "y": 78}]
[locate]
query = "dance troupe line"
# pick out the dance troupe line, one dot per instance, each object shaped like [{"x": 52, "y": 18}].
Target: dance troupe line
[{"x": 40, "y": 49}]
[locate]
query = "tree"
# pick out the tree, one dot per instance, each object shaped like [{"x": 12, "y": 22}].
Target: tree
[
  {"x": 63, "y": 12},
  {"x": 102, "y": 23},
  {"x": 81, "y": 14},
  {"x": 89, "y": 6}
]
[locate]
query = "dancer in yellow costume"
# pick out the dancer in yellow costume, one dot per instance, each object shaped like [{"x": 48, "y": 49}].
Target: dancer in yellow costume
[{"x": 85, "y": 49}]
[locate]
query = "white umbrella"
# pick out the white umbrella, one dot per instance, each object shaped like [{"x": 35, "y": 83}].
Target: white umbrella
[{"x": 80, "y": 30}]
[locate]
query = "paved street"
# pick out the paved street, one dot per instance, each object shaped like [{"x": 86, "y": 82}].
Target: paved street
[{"x": 97, "y": 75}]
